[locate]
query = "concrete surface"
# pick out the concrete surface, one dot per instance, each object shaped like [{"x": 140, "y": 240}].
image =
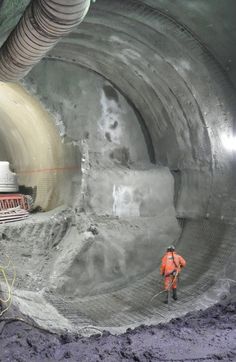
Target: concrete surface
[{"x": 136, "y": 106}]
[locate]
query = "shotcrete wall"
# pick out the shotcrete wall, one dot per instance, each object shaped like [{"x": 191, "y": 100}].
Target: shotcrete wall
[{"x": 143, "y": 105}]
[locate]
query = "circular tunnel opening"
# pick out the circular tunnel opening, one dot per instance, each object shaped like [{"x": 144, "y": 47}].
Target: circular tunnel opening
[
  {"x": 30, "y": 142},
  {"x": 141, "y": 105}
]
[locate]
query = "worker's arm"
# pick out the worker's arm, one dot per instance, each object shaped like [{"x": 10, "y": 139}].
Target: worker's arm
[
  {"x": 163, "y": 265},
  {"x": 182, "y": 262}
]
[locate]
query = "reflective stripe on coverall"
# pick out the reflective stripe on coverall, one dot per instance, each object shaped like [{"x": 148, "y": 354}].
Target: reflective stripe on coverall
[{"x": 171, "y": 262}]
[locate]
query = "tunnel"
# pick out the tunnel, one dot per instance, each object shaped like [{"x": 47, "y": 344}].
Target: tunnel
[{"x": 125, "y": 133}]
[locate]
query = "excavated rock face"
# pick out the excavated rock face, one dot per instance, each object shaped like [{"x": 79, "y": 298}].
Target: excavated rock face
[
  {"x": 123, "y": 138},
  {"x": 206, "y": 335}
]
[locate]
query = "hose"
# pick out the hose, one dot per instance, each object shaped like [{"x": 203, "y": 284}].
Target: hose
[
  {"x": 43, "y": 23},
  {"x": 164, "y": 290}
]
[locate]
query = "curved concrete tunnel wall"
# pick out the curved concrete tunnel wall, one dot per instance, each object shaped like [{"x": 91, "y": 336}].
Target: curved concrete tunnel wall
[
  {"x": 31, "y": 143},
  {"x": 171, "y": 102}
]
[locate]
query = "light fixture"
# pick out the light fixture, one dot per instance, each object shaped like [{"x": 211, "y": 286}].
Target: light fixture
[{"x": 229, "y": 142}]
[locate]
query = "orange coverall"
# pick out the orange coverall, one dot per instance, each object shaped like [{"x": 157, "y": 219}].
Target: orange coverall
[{"x": 171, "y": 262}]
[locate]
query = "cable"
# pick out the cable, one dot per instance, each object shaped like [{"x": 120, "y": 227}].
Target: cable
[
  {"x": 92, "y": 328},
  {"x": 9, "y": 286},
  {"x": 164, "y": 290}
]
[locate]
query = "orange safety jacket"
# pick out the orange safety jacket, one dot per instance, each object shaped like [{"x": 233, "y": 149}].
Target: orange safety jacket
[{"x": 171, "y": 262}]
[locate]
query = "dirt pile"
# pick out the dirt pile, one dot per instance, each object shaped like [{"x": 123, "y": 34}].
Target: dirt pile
[{"x": 208, "y": 335}]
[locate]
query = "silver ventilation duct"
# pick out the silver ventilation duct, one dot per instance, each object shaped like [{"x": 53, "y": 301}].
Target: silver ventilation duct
[{"x": 42, "y": 25}]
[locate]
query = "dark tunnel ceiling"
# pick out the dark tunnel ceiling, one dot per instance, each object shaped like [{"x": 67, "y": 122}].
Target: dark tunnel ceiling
[{"x": 212, "y": 21}]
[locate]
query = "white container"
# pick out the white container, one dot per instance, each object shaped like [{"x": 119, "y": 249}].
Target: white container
[{"x": 8, "y": 179}]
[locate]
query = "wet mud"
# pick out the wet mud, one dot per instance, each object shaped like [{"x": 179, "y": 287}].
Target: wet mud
[{"x": 208, "y": 335}]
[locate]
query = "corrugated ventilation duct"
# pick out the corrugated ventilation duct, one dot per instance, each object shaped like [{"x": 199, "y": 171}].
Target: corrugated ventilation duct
[{"x": 43, "y": 23}]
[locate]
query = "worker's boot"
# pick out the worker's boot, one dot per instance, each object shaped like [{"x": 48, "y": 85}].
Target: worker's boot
[
  {"x": 175, "y": 294},
  {"x": 166, "y": 297}
]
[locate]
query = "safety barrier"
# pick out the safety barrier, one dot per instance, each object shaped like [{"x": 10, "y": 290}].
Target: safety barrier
[{"x": 10, "y": 201}]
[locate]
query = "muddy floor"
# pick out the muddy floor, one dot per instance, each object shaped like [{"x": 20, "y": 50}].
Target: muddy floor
[{"x": 208, "y": 335}]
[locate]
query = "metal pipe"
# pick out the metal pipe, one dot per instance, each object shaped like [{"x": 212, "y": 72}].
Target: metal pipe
[{"x": 43, "y": 23}]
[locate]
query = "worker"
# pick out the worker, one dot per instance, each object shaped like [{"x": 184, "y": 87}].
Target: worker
[{"x": 171, "y": 266}]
